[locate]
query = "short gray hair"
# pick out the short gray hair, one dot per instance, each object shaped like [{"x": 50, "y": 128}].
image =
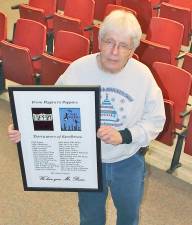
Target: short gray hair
[{"x": 125, "y": 22}]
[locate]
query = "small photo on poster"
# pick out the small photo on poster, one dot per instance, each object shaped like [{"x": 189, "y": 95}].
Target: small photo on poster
[
  {"x": 70, "y": 119},
  {"x": 42, "y": 118}
]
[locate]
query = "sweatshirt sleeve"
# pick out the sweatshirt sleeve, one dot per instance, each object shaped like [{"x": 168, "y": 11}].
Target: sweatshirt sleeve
[
  {"x": 66, "y": 77},
  {"x": 152, "y": 120}
]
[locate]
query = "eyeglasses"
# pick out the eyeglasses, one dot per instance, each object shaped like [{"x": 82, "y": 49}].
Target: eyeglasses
[{"x": 110, "y": 43}]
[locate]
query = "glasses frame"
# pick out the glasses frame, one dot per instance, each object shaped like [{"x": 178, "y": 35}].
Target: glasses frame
[{"x": 121, "y": 46}]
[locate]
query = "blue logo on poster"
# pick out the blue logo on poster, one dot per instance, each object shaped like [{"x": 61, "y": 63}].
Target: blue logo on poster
[{"x": 70, "y": 119}]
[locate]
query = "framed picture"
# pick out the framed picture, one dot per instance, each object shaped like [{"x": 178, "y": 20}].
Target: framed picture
[{"x": 59, "y": 149}]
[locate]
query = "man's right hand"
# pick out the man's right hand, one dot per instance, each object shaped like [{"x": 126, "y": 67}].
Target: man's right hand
[{"x": 14, "y": 135}]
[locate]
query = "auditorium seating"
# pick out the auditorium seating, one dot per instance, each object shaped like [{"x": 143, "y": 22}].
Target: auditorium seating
[
  {"x": 184, "y": 139},
  {"x": 179, "y": 14},
  {"x": 150, "y": 52},
  {"x": 79, "y": 13},
  {"x": 187, "y": 64},
  {"x": 66, "y": 23},
  {"x": 3, "y": 28},
  {"x": 144, "y": 10},
  {"x": 159, "y": 48},
  {"x": 32, "y": 35},
  {"x": 3, "y": 36},
  {"x": 184, "y": 4},
  {"x": 40, "y": 11},
  {"x": 95, "y": 30},
  {"x": 188, "y": 139},
  {"x": 175, "y": 84},
  {"x": 60, "y": 5},
  {"x": 166, "y": 32},
  {"x": 52, "y": 68},
  {"x": 73, "y": 47},
  {"x": 167, "y": 136},
  {"x": 17, "y": 64},
  {"x": 100, "y": 6},
  {"x": 110, "y": 7}
]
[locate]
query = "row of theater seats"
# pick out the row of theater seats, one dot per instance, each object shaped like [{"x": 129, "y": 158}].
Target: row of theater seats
[
  {"x": 80, "y": 14},
  {"x": 158, "y": 50},
  {"x": 24, "y": 59},
  {"x": 178, "y": 10}
]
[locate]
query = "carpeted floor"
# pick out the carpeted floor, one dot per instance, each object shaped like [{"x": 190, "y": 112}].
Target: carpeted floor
[{"x": 167, "y": 200}]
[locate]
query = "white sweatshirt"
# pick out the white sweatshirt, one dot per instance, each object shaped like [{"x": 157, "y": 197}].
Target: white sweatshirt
[{"x": 129, "y": 99}]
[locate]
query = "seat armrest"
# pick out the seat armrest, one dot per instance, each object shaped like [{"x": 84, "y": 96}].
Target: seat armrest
[
  {"x": 48, "y": 17},
  {"x": 180, "y": 56},
  {"x": 15, "y": 6},
  {"x": 186, "y": 112},
  {"x": 37, "y": 79},
  {"x": 88, "y": 28},
  {"x": 35, "y": 58},
  {"x": 157, "y": 7}
]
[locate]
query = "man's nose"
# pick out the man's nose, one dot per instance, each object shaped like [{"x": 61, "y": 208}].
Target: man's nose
[{"x": 115, "y": 48}]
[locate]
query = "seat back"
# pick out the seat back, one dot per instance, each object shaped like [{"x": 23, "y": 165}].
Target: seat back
[
  {"x": 52, "y": 68},
  {"x": 100, "y": 6},
  {"x": 179, "y": 14},
  {"x": 188, "y": 139},
  {"x": 49, "y": 6},
  {"x": 70, "y": 46},
  {"x": 175, "y": 84},
  {"x": 167, "y": 136},
  {"x": 17, "y": 65},
  {"x": 3, "y": 26},
  {"x": 95, "y": 39},
  {"x": 150, "y": 52},
  {"x": 66, "y": 23},
  {"x": 135, "y": 56},
  {"x": 32, "y": 13},
  {"x": 60, "y": 5},
  {"x": 110, "y": 7},
  {"x": 187, "y": 65},
  {"x": 166, "y": 32},
  {"x": 143, "y": 9},
  {"x": 80, "y": 9},
  {"x": 30, "y": 34},
  {"x": 184, "y": 4},
  {"x": 40, "y": 11}
]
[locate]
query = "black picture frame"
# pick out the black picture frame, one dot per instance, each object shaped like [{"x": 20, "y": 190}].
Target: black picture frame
[{"x": 52, "y": 152}]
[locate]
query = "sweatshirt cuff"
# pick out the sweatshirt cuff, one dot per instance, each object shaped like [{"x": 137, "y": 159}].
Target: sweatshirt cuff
[{"x": 126, "y": 136}]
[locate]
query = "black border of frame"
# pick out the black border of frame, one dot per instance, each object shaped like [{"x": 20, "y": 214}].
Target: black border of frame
[{"x": 96, "y": 90}]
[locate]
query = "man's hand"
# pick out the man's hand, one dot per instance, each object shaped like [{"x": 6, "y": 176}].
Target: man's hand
[
  {"x": 14, "y": 135},
  {"x": 109, "y": 135}
]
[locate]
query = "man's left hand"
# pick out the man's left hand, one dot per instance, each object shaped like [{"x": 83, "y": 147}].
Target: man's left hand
[{"x": 109, "y": 135}]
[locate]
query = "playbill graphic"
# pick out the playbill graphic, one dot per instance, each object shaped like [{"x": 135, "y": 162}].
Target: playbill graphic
[
  {"x": 59, "y": 149},
  {"x": 42, "y": 118},
  {"x": 70, "y": 119}
]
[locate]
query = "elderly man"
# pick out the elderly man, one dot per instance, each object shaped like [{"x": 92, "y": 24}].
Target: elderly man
[{"x": 132, "y": 114}]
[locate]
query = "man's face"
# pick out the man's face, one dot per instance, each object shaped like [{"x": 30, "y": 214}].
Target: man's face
[{"x": 115, "y": 51}]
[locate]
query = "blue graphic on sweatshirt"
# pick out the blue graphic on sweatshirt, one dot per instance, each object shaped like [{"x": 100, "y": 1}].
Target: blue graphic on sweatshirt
[
  {"x": 108, "y": 113},
  {"x": 114, "y": 104}
]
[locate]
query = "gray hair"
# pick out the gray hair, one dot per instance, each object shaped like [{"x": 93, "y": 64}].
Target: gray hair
[{"x": 122, "y": 21}]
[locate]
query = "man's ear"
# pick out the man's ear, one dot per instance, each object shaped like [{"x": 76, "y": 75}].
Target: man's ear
[{"x": 132, "y": 52}]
